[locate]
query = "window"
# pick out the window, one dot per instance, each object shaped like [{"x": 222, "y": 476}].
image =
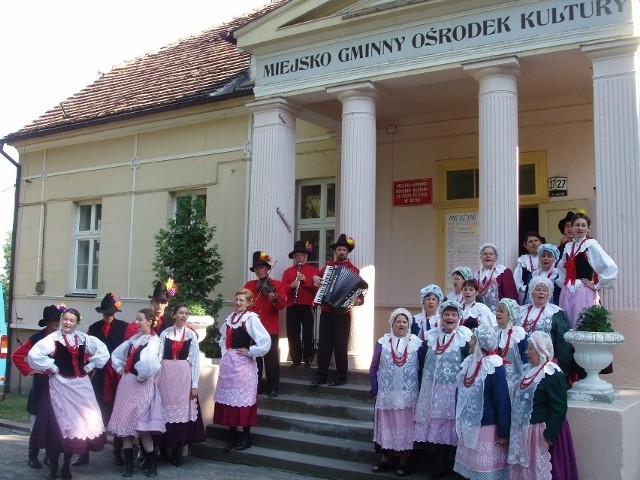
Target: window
[
  {"x": 316, "y": 218},
  {"x": 89, "y": 223},
  {"x": 460, "y": 179},
  {"x": 199, "y": 197}
]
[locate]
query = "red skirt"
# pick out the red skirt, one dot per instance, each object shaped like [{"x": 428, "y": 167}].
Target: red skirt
[{"x": 235, "y": 416}]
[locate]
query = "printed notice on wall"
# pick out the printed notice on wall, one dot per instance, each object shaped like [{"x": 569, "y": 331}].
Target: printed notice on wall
[
  {"x": 462, "y": 241},
  {"x": 408, "y": 193}
]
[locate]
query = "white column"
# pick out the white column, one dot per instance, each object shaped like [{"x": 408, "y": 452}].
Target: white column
[
  {"x": 616, "y": 124},
  {"x": 273, "y": 178},
  {"x": 498, "y": 154},
  {"x": 357, "y": 205}
]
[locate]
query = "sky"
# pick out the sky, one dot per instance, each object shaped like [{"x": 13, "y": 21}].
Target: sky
[{"x": 53, "y": 49}]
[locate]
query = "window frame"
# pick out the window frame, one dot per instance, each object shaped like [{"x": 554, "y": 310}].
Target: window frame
[
  {"x": 92, "y": 235},
  {"x": 322, "y": 224}
]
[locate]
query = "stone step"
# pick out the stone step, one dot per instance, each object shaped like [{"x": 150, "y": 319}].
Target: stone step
[
  {"x": 341, "y": 428},
  {"x": 315, "y": 405},
  {"x": 348, "y": 392},
  {"x": 304, "y": 443},
  {"x": 326, "y": 467},
  {"x": 357, "y": 377}
]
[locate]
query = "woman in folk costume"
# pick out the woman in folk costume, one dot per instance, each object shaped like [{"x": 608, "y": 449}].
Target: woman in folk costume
[
  {"x": 541, "y": 314},
  {"x": 583, "y": 270},
  {"x": 446, "y": 347},
  {"x": 137, "y": 409},
  {"x": 474, "y": 312},
  {"x": 243, "y": 338},
  {"x": 540, "y": 445},
  {"x": 394, "y": 374},
  {"x": 69, "y": 418},
  {"x": 527, "y": 264},
  {"x": 494, "y": 280},
  {"x": 483, "y": 411},
  {"x": 548, "y": 256},
  {"x": 178, "y": 384},
  {"x": 458, "y": 276},
  {"x": 512, "y": 341},
  {"x": 430, "y": 296}
]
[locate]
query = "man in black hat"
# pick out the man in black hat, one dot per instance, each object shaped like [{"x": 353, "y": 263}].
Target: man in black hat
[
  {"x": 299, "y": 280},
  {"x": 40, "y": 385},
  {"x": 159, "y": 301},
  {"x": 111, "y": 332},
  {"x": 269, "y": 297},
  {"x": 335, "y": 326},
  {"x": 566, "y": 229}
]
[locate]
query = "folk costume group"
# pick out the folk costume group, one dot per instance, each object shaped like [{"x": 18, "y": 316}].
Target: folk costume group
[
  {"x": 85, "y": 384},
  {"x": 480, "y": 375}
]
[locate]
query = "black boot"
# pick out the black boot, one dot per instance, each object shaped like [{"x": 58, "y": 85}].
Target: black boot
[
  {"x": 176, "y": 457},
  {"x": 245, "y": 442},
  {"x": 117, "y": 454},
  {"x": 65, "y": 471},
  {"x": 47, "y": 459},
  {"x": 33, "y": 457},
  {"x": 233, "y": 441},
  {"x": 128, "y": 462},
  {"x": 142, "y": 458},
  {"x": 152, "y": 459},
  {"x": 53, "y": 469},
  {"x": 81, "y": 460}
]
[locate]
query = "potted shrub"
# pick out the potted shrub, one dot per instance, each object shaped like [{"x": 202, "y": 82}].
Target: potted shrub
[{"x": 593, "y": 340}]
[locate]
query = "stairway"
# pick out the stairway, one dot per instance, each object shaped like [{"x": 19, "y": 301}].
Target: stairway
[{"x": 321, "y": 431}]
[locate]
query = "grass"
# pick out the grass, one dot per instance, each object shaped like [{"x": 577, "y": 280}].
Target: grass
[{"x": 14, "y": 408}]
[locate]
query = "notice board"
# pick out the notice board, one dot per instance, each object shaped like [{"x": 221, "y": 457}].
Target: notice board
[{"x": 462, "y": 231}]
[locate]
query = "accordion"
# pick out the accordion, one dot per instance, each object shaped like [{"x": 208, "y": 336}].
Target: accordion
[{"x": 340, "y": 288}]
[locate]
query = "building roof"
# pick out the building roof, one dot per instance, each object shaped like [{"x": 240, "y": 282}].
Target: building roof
[{"x": 204, "y": 68}]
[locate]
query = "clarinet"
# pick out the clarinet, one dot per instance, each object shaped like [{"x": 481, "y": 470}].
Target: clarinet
[{"x": 295, "y": 295}]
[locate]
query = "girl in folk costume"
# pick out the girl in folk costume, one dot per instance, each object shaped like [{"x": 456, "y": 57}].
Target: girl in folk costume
[
  {"x": 548, "y": 256},
  {"x": 394, "y": 374},
  {"x": 458, "y": 276},
  {"x": 474, "y": 313},
  {"x": 137, "y": 409},
  {"x": 446, "y": 347},
  {"x": 495, "y": 281},
  {"x": 541, "y": 314},
  {"x": 526, "y": 264},
  {"x": 178, "y": 383},
  {"x": 540, "y": 445},
  {"x": 243, "y": 338},
  {"x": 430, "y": 296},
  {"x": 583, "y": 270},
  {"x": 69, "y": 418},
  {"x": 512, "y": 341},
  {"x": 483, "y": 412}
]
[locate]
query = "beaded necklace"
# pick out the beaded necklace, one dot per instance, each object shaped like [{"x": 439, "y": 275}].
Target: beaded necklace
[
  {"x": 532, "y": 327},
  {"x": 399, "y": 360},
  {"x": 440, "y": 349},
  {"x": 484, "y": 286},
  {"x": 527, "y": 381},
  {"x": 468, "y": 381},
  {"x": 507, "y": 344}
]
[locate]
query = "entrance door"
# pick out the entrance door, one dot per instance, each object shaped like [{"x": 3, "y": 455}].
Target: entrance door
[{"x": 551, "y": 213}]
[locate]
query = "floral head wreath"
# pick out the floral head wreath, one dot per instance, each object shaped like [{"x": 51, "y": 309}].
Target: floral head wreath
[
  {"x": 172, "y": 287},
  {"x": 62, "y": 308},
  {"x": 308, "y": 247},
  {"x": 264, "y": 256}
]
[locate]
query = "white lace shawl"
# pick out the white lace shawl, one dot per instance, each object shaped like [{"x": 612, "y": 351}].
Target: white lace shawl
[
  {"x": 481, "y": 312},
  {"x": 544, "y": 323},
  {"x": 470, "y": 403},
  {"x": 398, "y": 385}
]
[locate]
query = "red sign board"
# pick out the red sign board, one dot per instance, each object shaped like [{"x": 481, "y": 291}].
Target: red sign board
[{"x": 407, "y": 193}]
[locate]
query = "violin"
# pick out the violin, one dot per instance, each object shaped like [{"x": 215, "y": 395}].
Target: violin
[{"x": 266, "y": 286}]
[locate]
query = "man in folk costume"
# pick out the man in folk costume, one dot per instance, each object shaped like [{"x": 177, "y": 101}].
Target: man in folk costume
[
  {"x": 40, "y": 384},
  {"x": 162, "y": 292},
  {"x": 270, "y": 296},
  {"x": 302, "y": 291},
  {"x": 334, "y": 325},
  {"x": 446, "y": 347},
  {"x": 109, "y": 331}
]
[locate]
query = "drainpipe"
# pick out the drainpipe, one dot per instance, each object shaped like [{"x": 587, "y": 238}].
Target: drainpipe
[{"x": 12, "y": 270}]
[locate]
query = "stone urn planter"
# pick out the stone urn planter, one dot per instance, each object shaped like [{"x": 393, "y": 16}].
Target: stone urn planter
[
  {"x": 593, "y": 352},
  {"x": 200, "y": 323}
]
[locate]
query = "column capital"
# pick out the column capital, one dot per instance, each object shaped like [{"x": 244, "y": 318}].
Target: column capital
[
  {"x": 359, "y": 89},
  {"x": 275, "y": 103},
  {"x": 495, "y": 66},
  {"x": 628, "y": 46}
]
